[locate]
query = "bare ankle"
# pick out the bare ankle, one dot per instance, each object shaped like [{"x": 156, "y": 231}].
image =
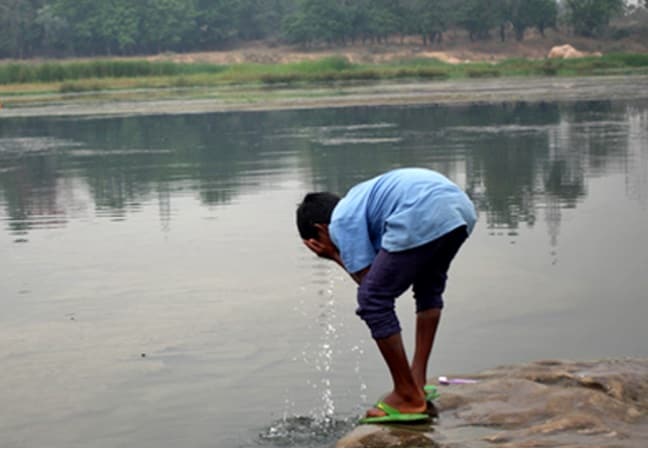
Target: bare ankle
[
  {"x": 411, "y": 396},
  {"x": 419, "y": 377}
]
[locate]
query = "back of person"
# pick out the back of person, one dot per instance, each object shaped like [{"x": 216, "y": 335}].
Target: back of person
[{"x": 399, "y": 210}]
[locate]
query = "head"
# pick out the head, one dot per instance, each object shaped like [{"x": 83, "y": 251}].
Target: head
[
  {"x": 316, "y": 209},
  {"x": 313, "y": 218}
]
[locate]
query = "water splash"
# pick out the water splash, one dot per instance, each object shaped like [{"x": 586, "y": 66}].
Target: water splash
[
  {"x": 325, "y": 352},
  {"x": 363, "y": 386},
  {"x": 305, "y": 431},
  {"x": 320, "y": 426}
]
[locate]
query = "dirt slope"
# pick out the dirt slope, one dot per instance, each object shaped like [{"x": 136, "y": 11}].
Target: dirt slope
[{"x": 455, "y": 48}]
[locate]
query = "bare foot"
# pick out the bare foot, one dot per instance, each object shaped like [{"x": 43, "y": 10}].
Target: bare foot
[{"x": 403, "y": 405}]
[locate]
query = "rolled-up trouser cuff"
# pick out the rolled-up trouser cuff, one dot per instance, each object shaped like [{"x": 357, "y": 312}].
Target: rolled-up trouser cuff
[
  {"x": 430, "y": 302},
  {"x": 381, "y": 325}
]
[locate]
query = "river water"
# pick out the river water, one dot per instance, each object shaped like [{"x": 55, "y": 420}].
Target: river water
[{"x": 155, "y": 293}]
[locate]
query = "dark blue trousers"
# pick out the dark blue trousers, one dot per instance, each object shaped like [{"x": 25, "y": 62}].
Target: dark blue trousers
[{"x": 425, "y": 268}]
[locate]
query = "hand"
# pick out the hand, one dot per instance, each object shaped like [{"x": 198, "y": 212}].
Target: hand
[
  {"x": 321, "y": 249},
  {"x": 323, "y": 245}
]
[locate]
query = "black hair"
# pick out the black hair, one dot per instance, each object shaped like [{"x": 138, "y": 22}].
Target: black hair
[{"x": 316, "y": 208}]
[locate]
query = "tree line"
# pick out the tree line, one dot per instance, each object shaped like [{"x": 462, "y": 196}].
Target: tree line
[{"x": 55, "y": 28}]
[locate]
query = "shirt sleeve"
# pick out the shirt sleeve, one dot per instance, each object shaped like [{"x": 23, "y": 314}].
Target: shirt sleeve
[{"x": 351, "y": 236}]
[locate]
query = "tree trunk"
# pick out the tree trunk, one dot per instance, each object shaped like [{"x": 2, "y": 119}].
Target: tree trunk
[{"x": 519, "y": 34}]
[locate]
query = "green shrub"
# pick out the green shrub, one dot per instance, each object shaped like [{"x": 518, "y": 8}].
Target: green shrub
[
  {"x": 278, "y": 78},
  {"x": 50, "y": 72},
  {"x": 428, "y": 72},
  {"x": 550, "y": 67},
  {"x": 366, "y": 74},
  {"x": 421, "y": 72},
  {"x": 75, "y": 87},
  {"x": 482, "y": 72},
  {"x": 319, "y": 76},
  {"x": 420, "y": 62},
  {"x": 182, "y": 81},
  {"x": 331, "y": 63},
  {"x": 629, "y": 59},
  {"x": 16, "y": 73},
  {"x": 621, "y": 33},
  {"x": 69, "y": 71}
]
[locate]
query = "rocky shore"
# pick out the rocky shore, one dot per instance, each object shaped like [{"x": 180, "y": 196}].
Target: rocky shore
[{"x": 541, "y": 404}]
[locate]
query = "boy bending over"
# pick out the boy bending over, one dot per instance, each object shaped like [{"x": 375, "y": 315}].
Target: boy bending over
[{"x": 397, "y": 230}]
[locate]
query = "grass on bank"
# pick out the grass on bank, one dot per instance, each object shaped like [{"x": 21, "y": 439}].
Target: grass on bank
[
  {"x": 51, "y": 72},
  {"x": 71, "y": 77}
]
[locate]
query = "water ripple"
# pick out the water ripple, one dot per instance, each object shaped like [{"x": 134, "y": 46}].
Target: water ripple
[{"x": 33, "y": 145}]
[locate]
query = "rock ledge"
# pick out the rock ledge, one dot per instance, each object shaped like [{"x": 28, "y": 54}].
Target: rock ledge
[{"x": 547, "y": 403}]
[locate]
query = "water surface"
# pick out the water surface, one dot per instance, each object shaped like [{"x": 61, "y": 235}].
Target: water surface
[{"x": 155, "y": 293}]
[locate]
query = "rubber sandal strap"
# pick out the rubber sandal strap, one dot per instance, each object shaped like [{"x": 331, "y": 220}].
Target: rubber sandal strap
[
  {"x": 393, "y": 416},
  {"x": 430, "y": 389},
  {"x": 391, "y": 411},
  {"x": 431, "y": 392}
]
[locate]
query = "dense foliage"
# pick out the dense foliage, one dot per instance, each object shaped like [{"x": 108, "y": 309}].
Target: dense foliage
[
  {"x": 590, "y": 17},
  {"x": 109, "y": 27}
]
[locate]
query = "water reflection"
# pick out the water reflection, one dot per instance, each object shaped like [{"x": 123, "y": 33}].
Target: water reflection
[{"x": 518, "y": 161}]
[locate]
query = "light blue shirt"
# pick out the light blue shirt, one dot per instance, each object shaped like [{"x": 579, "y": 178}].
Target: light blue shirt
[{"x": 399, "y": 210}]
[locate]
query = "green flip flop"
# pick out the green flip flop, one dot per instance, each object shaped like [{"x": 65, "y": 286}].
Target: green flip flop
[
  {"x": 393, "y": 416},
  {"x": 431, "y": 392}
]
